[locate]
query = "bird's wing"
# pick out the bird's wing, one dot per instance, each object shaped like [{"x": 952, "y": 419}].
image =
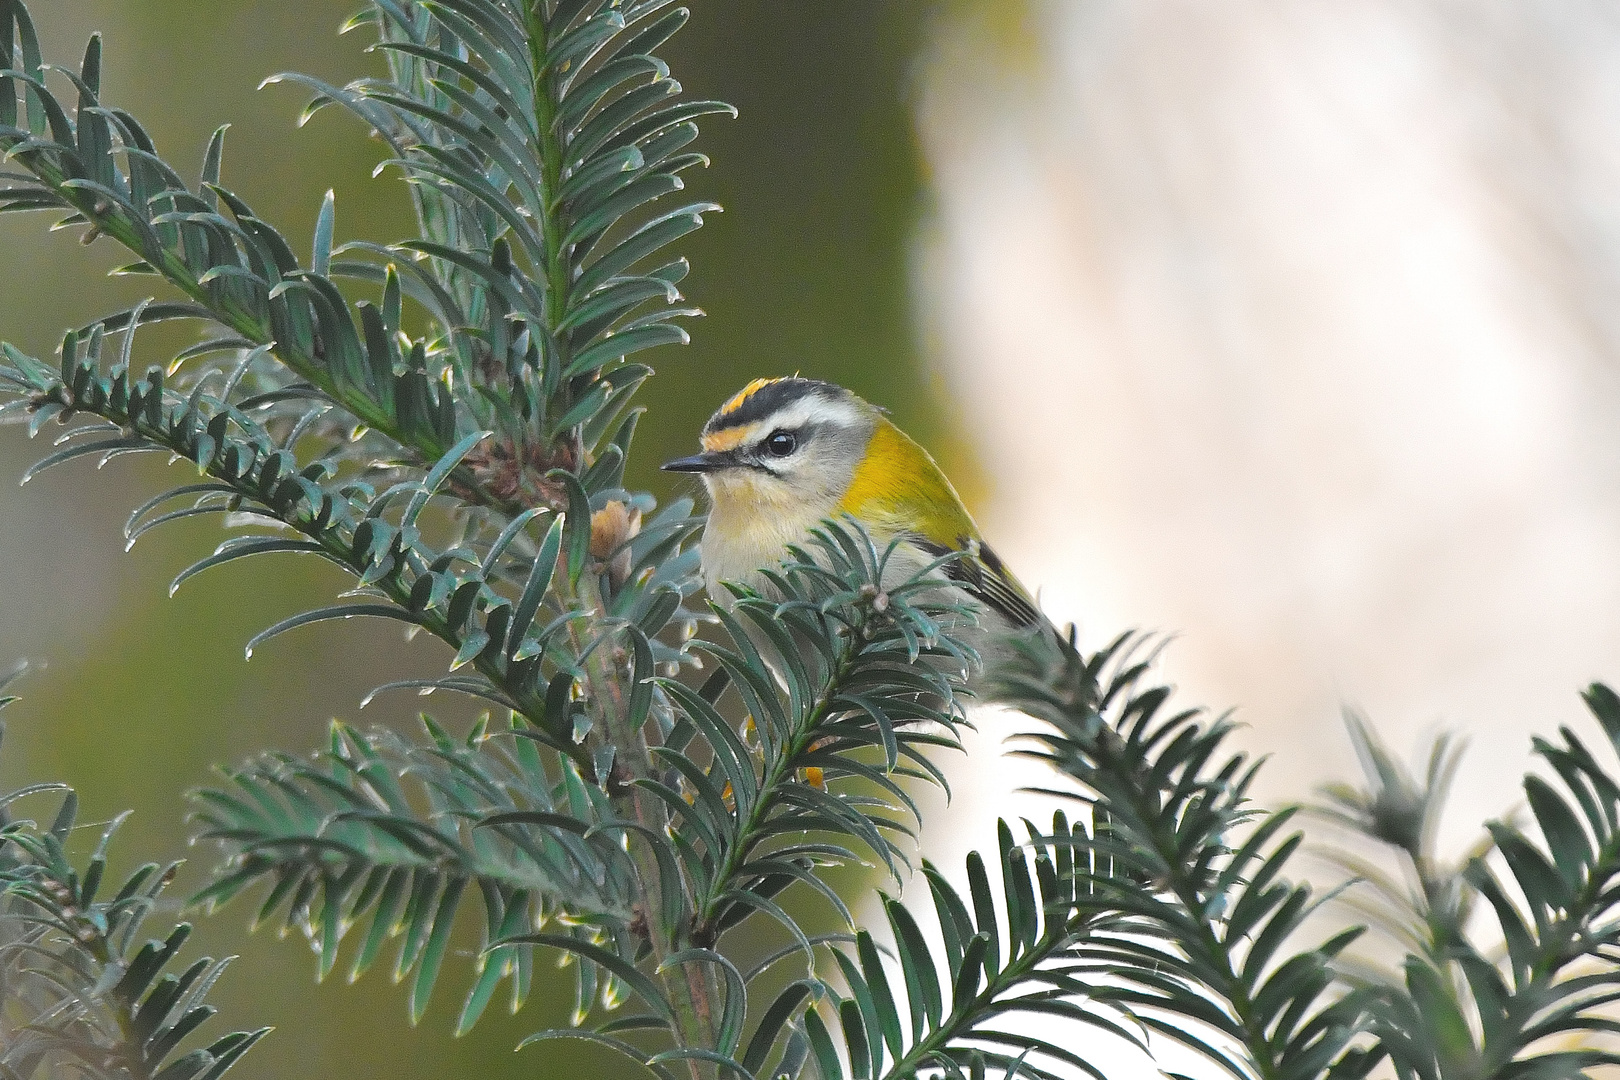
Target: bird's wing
[{"x": 983, "y": 576}]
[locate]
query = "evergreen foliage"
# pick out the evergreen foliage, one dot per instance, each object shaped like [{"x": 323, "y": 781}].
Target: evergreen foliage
[
  {"x": 1204, "y": 918},
  {"x": 80, "y": 993},
  {"x": 1531, "y": 999},
  {"x": 447, "y": 419}
]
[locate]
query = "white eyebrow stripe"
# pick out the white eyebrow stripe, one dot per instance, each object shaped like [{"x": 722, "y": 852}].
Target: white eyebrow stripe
[{"x": 812, "y": 409}]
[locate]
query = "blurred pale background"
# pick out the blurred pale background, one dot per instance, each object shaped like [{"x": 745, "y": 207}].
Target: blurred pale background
[
  {"x": 1284, "y": 327},
  {"x": 1291, "y": 328}
]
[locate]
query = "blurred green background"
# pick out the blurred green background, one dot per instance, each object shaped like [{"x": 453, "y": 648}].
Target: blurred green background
[{"x": 806, "y": 271}]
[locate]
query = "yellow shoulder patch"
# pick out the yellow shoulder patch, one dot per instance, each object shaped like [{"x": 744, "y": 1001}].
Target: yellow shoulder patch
[
  {"x": 899, "y": 488},
  {"x": 744, "y": 394}
]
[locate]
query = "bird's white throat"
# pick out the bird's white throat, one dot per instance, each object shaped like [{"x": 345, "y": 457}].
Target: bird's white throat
[{"x": 752, "y": 520}]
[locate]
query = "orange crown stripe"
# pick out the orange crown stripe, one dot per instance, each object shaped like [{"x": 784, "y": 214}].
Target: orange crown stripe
[
  {"x": 744, "y": 394},
  {"x": 728, "y": 438}
]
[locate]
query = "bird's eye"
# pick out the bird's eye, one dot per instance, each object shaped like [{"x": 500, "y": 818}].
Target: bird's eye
[{"x": 781, "y": 443}]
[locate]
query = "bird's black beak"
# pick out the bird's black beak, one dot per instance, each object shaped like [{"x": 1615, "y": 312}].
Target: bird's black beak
[{"x": 698, "y": 463}]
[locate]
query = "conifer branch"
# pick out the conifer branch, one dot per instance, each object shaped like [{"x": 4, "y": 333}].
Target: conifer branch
[
  {"x": 1193, "y": 870},
  {"x": 868, "y": 668},
  {"x": 1456, "y": 1008},
  {"x": 80, "y": 994}
]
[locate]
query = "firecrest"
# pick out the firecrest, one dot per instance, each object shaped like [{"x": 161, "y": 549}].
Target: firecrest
[{"x": 785, "y": 454}]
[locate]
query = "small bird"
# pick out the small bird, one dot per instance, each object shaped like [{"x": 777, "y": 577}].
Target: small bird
[{"x": 783, "y": 455}]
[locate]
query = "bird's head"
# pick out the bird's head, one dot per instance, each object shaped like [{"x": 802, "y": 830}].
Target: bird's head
[{"x": 782, "y": 445}]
